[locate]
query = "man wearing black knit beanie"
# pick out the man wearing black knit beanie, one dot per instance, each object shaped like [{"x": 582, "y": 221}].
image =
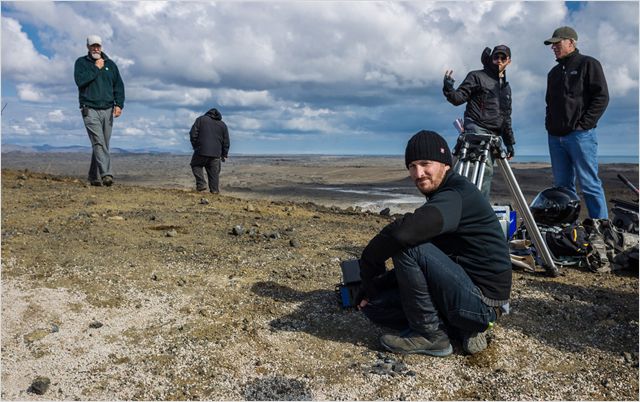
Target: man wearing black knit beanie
[{"x": 452, "y": 272}]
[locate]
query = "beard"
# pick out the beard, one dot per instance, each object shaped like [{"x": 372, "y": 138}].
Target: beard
[
  {"x": 96, "y": 56},
  {"x": 429, "y": 184}
]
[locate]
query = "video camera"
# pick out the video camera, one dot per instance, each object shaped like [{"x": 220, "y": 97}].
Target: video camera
[{"x": 348, "y": 289}]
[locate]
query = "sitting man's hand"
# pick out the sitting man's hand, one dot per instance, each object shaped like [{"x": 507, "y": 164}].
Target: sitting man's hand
[
  {"x": 361, "y": 298},
  {"x": 362, "y": 304}
]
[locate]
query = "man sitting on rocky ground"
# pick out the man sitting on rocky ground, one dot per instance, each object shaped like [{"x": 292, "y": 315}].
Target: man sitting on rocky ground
[{"x": 452, "y": 272}]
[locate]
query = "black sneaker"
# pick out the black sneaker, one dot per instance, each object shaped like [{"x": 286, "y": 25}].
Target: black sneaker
[
  {"x": 433, "y": 344},
  {"x": 107, "y": 181}
]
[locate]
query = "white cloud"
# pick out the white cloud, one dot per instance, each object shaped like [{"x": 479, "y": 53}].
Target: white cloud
[
  {"x": 300, "y": 69},
  {"x": 56, "y": 116},
  {"x": 29, "y": 93},
  {"x": 301, "y": 124},
  {"x": 133, "y": 132},
  {"x": 20, "y": 60},
  {"x": 621, "y": 81},
  {"x": 236, "y": 97},
  {"x": 246, "y": 123},
  {"x": 180, "y": 96}
]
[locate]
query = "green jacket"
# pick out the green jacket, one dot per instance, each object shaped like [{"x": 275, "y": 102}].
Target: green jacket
[{"x": 98, "y": 88}]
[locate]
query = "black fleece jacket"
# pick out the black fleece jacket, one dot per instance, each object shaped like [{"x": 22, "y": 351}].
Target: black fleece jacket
[
  {"x": 488, "y": 99},
  {"x": 459, "y": 221},
  {"x": 209, "y": 135},
  {"x": 577, "y": 94}
]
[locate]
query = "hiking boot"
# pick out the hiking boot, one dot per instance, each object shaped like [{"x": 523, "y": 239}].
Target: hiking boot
[
  {"x": 201, "y": 189},
  {"x": 107, "y": 181},
  {"x": 476, "y": 342},
  {"x": 96, "y": 183},
  {"x": 433, "y": 344}
]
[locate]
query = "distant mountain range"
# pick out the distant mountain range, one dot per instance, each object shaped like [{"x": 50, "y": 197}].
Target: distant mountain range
[{"x": 46, "y": 148}]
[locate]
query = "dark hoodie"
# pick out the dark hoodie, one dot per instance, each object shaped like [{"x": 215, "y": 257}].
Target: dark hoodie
[
  {"x": 209, "y": 135},
  {"x": 488, "y": 101}
]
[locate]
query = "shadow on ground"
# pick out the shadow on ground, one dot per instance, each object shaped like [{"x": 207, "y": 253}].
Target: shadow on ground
[
  {"x": 571, "y": 318},
  {"x": 276, "y": 388},
  {"x": 575, "y": 318},
  {"x": 320, "y": 315}
]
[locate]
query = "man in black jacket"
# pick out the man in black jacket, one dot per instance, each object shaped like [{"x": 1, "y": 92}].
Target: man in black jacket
[
  {"x": 488, "y": 97},
  {"x": 577, "y": 97},
  {"x": 210, "y": 141},
  {"x": 452, "y": 272}
]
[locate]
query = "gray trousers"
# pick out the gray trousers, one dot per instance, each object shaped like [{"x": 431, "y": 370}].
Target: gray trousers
[
  {"x": 212, "y": 166},
  {"x": 98, "y": 123},
  {"x": 472, "y": 128}
]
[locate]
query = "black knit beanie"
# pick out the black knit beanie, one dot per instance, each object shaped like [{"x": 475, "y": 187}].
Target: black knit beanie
[{"x": 427, "y": 145}]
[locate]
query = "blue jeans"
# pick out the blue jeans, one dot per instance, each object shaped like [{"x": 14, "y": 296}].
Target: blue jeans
[
  {"x": 433, "y": 292},
  {"x": 576, "y": 155},
  {"x": 99, "y": 123}
]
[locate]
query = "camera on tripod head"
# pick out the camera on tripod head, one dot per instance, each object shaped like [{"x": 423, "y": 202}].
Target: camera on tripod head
[{"x": 347, "y": 290}]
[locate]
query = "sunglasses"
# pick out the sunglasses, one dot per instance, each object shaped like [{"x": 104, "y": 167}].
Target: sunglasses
[{"x": 500, "y": 57}]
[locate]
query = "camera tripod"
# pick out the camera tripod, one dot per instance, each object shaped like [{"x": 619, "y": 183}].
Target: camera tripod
[{"x": 472, "y": 151}]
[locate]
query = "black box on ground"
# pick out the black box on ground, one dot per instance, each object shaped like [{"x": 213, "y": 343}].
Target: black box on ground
[{"x": 347, "y": 290}]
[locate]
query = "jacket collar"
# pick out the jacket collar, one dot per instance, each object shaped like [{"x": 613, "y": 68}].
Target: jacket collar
[
  {"x": 569, "y": 58},
  {"x": 445, "y": 180}
]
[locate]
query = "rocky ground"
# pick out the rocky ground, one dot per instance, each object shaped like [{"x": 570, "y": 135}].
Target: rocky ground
[{"x": 136, "y": 292}]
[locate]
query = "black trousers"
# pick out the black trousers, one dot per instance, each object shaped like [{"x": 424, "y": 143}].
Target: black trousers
[{"x": 212, "y": 166}]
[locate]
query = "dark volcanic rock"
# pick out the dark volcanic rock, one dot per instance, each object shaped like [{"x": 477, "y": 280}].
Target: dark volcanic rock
[{"x": 40, "y": 385}]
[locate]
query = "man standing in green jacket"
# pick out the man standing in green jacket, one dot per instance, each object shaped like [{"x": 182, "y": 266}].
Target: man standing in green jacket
[{"x": 101, "y": 96}]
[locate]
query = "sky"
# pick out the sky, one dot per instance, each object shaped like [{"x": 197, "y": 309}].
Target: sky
[{"x": 298, "y": 77}]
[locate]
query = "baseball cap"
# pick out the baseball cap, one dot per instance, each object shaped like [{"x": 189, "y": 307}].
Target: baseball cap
[
  {"x": 504, "y": 49},
  {"x": 94, "y": 40},
  {"x": 560, "y": 34}
]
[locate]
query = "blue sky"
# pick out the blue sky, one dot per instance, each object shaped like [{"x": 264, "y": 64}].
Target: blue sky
[{"x": 303, "y": 77}]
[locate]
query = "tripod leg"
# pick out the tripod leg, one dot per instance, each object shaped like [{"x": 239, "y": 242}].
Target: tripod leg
[
  {"x": 483, "y": 166},
  {"x": 476, "y": 168},
  {"x": 471, "y": 167},
  {"x": 480, "y": 178},
  {"x": 530, "y": 223},
  {"x": 465, "y": 172}
]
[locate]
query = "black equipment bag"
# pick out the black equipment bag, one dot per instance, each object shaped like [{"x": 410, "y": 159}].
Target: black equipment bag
[
  {"x": 573, "y": 245},
  {"x": 569, "y": 241}
]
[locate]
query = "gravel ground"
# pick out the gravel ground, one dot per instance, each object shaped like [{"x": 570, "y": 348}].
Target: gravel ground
[{"x": 145, "y": 293}]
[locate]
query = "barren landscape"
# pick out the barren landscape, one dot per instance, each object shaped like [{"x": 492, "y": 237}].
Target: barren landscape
[{"x": 149, "y": 290}]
